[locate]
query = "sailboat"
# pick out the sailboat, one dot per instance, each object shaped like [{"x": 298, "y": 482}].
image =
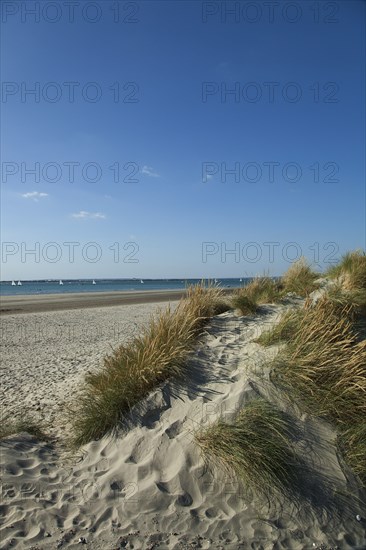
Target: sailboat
[
  {"x": 94, "y": 283},
  {"x": 19, "y": 283},
  {"x": 241, "y": 280},
  {"x": 60, "y": 283},
  {"x": 141, "y": 281},
  {"x": 13, "y": 283}
]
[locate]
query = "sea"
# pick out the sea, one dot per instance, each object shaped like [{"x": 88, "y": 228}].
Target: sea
[{"x": 69, "y": 286}]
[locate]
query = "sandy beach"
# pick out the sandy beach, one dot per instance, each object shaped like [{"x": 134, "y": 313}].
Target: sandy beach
[
  {"x": 149, "y": 487},
  {"x": 47, "y": 355},
  {"x": 56, "y": 302}
]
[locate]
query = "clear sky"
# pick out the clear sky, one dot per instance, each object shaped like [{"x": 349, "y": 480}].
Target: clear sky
[{"x": 161, "y": 135}]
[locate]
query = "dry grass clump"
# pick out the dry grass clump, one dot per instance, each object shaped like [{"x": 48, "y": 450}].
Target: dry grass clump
[
  {"x": 324, "y": 364},
  {"x": 262, "y": 290},
  {"x": 11, "y": 425},
  {"x": 355, "y": 299},
  {"x": 352, "y": 441},
  {"x": 256, "y": 447},
  {"x": 244, "y": 304},
  {"x": 324, "y": 356},
  {"x": 282, "y": 331},
  {"x": 203, "y": 302},
  {"x": 134, "y": 369},
  {"x": 351, "y": 270},
  {"x": 299, "y": 278}
]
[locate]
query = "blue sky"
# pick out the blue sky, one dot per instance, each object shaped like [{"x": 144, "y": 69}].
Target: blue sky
[{"x": 175, "y": 131}]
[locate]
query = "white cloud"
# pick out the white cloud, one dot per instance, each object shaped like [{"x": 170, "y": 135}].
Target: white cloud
[
  {"x": 34, "y": 195},
  {"x": 148, "y": 171},
  {"x": 89, "y": 215}
]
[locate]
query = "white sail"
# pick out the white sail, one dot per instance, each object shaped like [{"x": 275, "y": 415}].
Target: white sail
[
  {"x": 61, "y": 283},
  {"x": 141, "y": 281},
  {"x": 19, "y": 283},
  {"x": 13, "y": 283},
  {"x": 94, "y": 283}
]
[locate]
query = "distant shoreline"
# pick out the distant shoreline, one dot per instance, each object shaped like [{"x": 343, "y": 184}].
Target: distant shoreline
[
  {"x": 31, "y": 303},
  {"x": 36, "y": 288}
]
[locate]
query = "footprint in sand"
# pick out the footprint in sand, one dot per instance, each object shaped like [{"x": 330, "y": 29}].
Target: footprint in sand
[
  {"x": 184, "y": 500},
  {"x": 174, "y": 429}
]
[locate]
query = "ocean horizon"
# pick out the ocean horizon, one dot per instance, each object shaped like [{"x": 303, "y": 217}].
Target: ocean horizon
[{"x": 69, "y": 286}]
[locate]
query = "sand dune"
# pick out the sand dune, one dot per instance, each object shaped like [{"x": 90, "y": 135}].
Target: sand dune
[{"x": 150, "y": 488}]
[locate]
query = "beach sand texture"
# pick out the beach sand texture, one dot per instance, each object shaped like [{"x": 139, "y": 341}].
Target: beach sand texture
[
  {"x": 54, "y": 302},
  {"x": 150, "y": 488}
]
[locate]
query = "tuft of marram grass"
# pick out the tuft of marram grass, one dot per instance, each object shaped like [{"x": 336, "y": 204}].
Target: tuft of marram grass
[
  {"x": 256, "y": 447},
  {"x": 299, "y": 278},
  {"x": 324, "y": 364},
  {"x": 352, "y": 442},
  {"x": 282, "y": 331},
  {"x": 262, "y": 290},
  {"x": 133, "y": 370},
  {"x": 355, "y": 299},
  {"x": 203, "y": 302},
  {"x": 350, "y": 271},
  {"x": 11, "y": 425},
  {"x": 244, "y": 304}
]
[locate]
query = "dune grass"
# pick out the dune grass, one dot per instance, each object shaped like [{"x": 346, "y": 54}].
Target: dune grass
[
  {"x": 351, "y": 270},
  {"x": 256, "y": 447},
  {"x": 282, "y": 331},
  {"x": 262, "y": 290},
  {"x": 324, "y": 356},
  {"x": 133, "y": 370},
  {"x": 203, "y": 302},
  {"x": 324, "y": 366},
  {"x": 11, "y": 425},
  {"x": 355, "y": 299},
  {"x": 351, "y": 304},
  {"x": 352, "y": 442},
  {"x": 299, "y": 278},
  {"x": 244, "y": 304}
]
